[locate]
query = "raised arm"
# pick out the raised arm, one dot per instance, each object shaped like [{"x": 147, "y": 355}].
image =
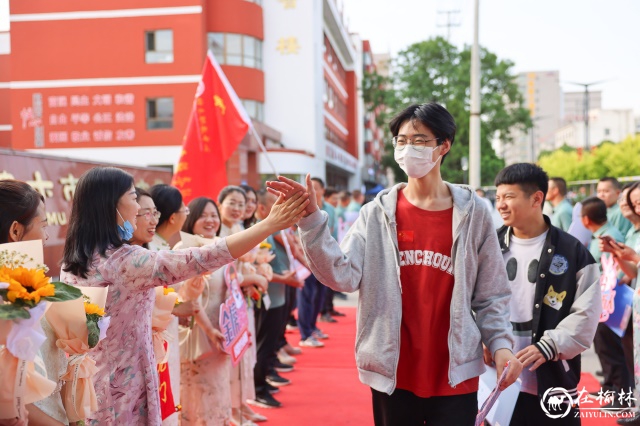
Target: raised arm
[
  {"x": 142, "y": 268},
  {"x": 338, "y": 267}
]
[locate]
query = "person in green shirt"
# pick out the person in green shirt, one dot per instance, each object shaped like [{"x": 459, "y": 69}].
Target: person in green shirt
[
  {"x": 594, "y": 218},
  {"x": 608, "y": 190},
  {"x": 562, "y": 208},
  {"x": 357, "y": 201},
  {"x": 607, "y": 344},
  {"x": 344, "y": 199}
]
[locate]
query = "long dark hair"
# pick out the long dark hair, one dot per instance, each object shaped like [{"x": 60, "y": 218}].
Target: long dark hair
[
  {"x": 632, "y": 187},
  {"x": 250, "y": 221},
  {"x": 167, "y": 199},
  {"x": 196, "y": 207},
  {"x": 93, "y": 226},
  {"x": 19, "y": 202}
]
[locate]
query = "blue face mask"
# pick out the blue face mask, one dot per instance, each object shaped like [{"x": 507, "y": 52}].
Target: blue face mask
[{"x": 126, "y": 229}]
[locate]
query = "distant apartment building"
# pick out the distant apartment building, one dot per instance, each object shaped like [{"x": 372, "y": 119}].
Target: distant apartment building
[
  {"x": 542, "y": 96},
  {"x": 573, "y": 105},
  {"x": 604, "y": 125}
]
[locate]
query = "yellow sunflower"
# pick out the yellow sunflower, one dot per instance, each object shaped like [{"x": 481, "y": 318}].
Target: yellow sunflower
[
  {"x": 47, "y": 290},
  {"x": 34, "y": 278},
  {"x": 92, "y": 308},
  {"x": 26, "y": 284}
]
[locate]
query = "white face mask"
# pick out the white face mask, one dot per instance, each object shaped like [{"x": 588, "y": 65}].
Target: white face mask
[{"x": 416, "y": 164}]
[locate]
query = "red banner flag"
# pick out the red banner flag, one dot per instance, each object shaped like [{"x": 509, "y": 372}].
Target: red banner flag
[{"x": 217, "y": 125}]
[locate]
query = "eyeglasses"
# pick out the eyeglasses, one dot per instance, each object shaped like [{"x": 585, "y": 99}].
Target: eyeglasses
[
  {"x": 419, "y": 143},
  {"x": 234, "y": 205},
  {"x": 149, "y": 214},
  {"x": 186, "y": 211}
]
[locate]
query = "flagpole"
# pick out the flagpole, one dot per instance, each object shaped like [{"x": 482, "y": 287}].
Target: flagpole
[{"x": 255, "y": 134}]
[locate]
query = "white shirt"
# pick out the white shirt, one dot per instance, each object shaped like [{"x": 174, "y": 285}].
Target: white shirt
[{"x": 522, "y": 270}]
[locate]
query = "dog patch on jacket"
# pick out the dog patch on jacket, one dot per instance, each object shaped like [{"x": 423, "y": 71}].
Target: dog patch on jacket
[
  {"x": 559, "y": 265},
  {"x": 554, "y": 299}
]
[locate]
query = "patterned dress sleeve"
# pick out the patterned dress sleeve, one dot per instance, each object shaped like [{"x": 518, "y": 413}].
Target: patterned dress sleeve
[{"x": 139, "y": 268}]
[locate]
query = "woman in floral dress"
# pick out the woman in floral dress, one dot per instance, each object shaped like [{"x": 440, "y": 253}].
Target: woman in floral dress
[{"x": 96, "y": 254}]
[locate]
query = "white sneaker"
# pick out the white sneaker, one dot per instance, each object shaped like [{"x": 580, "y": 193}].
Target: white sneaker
[
  {"x": 311, "y": 342},
  {"x": 319, "y": 334},
  {"x": 285, "y": 358}
]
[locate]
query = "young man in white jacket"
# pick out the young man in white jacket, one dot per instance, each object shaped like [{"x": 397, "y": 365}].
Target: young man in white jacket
[{"x": 433, "y": 285}]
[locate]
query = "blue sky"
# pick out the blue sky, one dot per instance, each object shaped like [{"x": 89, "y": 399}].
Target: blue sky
[{"x": 586, "y": 40}]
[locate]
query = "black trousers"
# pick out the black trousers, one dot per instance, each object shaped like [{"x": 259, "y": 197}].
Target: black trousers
[
  {"x": 528, "y": 412},
  {"x": 268, "y": 330},
  {"x": 328, "y": 301},
  {"x": 627, "y": 347},
  {"x": 290, "y": 305},
  {"x": 404, "y": 408},
  {"x": 608, "y": 346}
]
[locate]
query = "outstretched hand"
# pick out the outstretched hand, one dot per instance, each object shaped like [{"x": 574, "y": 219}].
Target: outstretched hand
[
  {"x": 288, "y": 188},
  {"x": 286, "y": 212}
]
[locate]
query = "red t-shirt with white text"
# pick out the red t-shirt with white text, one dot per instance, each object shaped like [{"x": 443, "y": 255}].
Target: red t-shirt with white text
[{"x": 425, "y": 239}]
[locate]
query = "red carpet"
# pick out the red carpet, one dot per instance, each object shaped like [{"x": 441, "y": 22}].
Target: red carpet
[{"x": 324, "y": 388}]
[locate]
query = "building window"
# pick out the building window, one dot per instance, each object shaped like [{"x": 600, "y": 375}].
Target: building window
[
  {"x": 258, "y": 2},
  {"x": 236, "y": 49},
  {"x": 158, "y": 46},
  {"x": 159, "y": 113},
  {"x": 255, "y": 109}
]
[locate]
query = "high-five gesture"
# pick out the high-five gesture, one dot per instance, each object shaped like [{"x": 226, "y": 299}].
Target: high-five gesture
[{"x": 287, "y": 187}]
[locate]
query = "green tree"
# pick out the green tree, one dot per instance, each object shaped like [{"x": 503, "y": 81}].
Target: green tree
[
  {"x": 435, "y": 70},
  {"x": 606, "y": 159}
]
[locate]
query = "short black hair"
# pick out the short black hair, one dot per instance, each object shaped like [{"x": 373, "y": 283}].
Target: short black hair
[
  {"x": 329, "y": 192},
  {"x": 613, "y": 181},
  {"x": 320, "y": 181},
  {"x": 93, "y": 227},
  {"x": 431, "y": 115},
  {"x": 168, "y": 200},
  {"x": 263, "y": 194},
  {"x": 595, "y": 209},
  {"x": 529, "y": 177},
  {"x": 561, "y": 184},
  {"x": 196, "y": 207}
]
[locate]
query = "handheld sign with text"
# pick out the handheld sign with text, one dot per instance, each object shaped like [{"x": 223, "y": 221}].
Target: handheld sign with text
[
  {"x": 233, "y": 318},
  {"x": 608, "y": 286}
]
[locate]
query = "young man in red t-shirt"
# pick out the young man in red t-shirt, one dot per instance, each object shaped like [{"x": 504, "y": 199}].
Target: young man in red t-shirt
[{"x": 433, "y": 285}]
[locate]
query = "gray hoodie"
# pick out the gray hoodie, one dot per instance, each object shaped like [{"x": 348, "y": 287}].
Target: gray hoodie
[{"x": 368, "y": 260}]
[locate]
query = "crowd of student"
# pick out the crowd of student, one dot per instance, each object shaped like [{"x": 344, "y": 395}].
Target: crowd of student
[
  {"x": 441, "y": 292},
  {"x": 145, "y": 245}
]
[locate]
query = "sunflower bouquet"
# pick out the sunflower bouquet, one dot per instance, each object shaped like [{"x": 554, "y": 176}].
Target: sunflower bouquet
[
  {"x": 79, "y": 326},
  {"x": 165, "y": 301},
  {"x": 25, "y": 293},
  {"x": 23, "y": 288}
]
